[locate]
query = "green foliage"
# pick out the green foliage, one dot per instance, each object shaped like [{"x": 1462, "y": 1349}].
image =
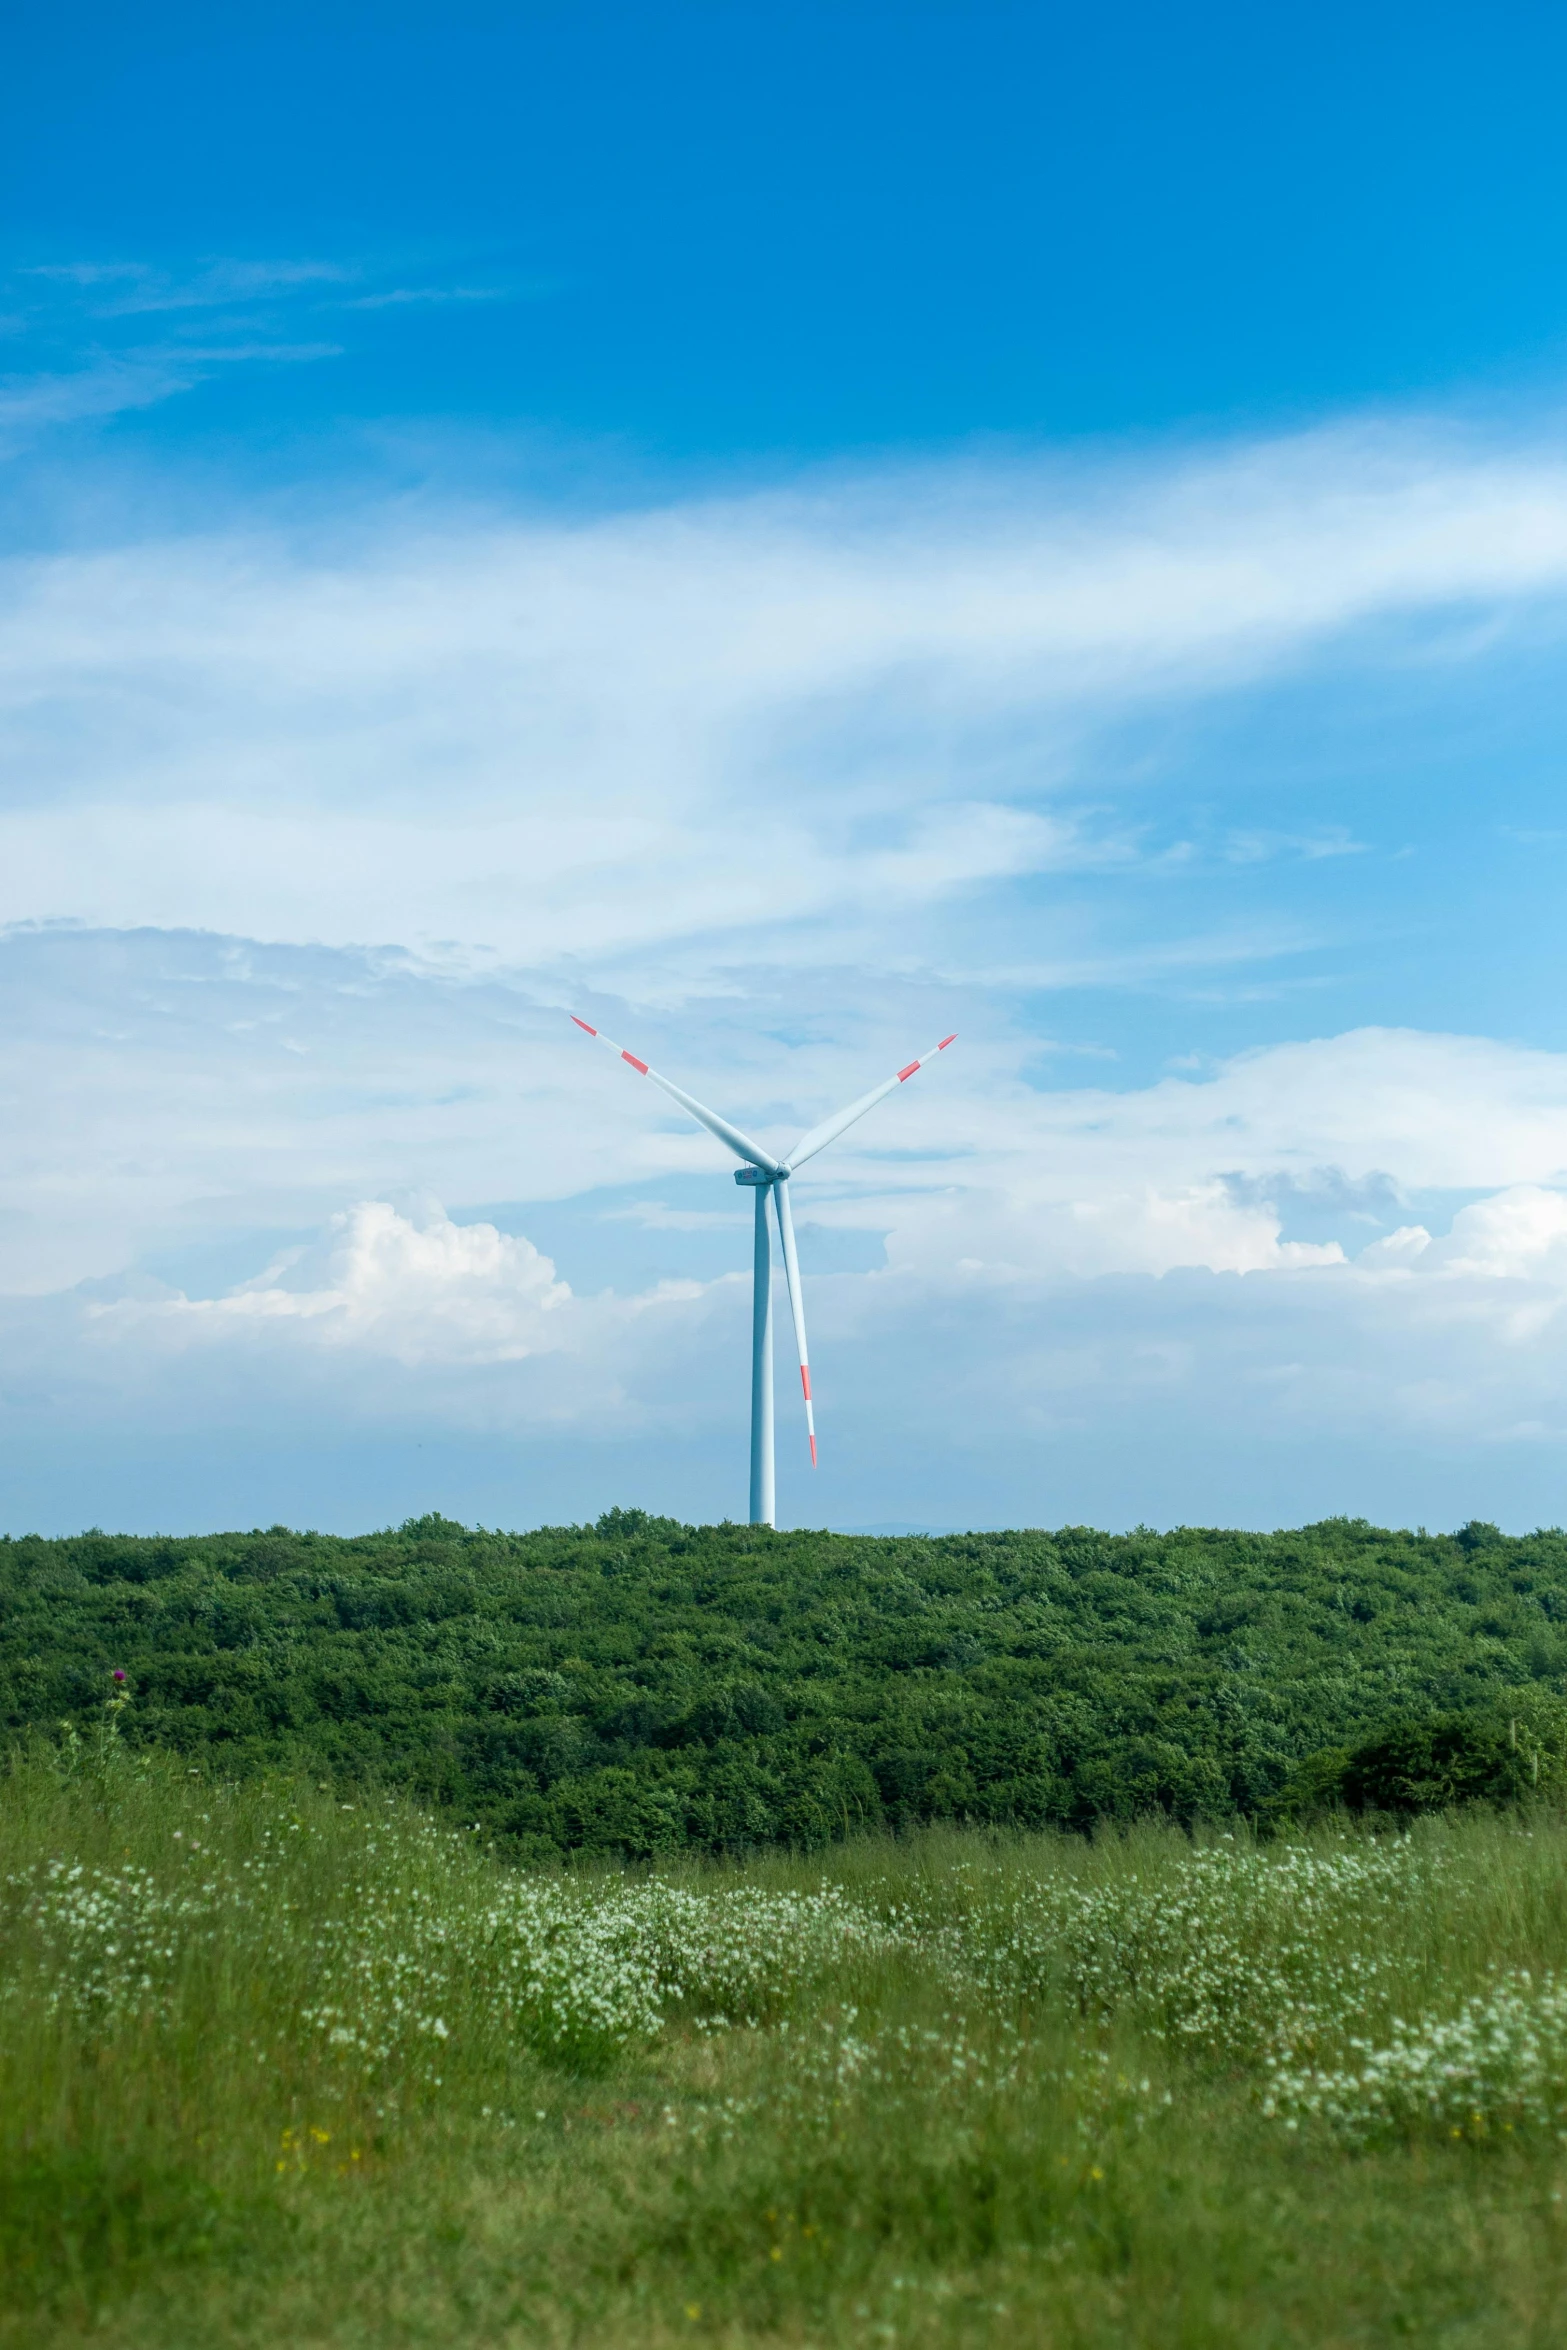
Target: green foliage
[
  {"x": 642, "y": 1687},
  {"x": 1515, "y": 1751}
]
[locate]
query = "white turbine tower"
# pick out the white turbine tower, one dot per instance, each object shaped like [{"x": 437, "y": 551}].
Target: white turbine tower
[{"x": 767, "y": 1175}]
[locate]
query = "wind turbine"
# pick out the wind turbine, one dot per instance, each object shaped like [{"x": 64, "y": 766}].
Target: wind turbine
[{"x": 765, "y": 1176}]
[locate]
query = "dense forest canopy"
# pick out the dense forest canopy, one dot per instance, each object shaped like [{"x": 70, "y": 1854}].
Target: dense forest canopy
[{"x": 638, "y": 1685}]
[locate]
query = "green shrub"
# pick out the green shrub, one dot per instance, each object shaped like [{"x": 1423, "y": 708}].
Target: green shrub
[{"x": 1515, "y": 1752}]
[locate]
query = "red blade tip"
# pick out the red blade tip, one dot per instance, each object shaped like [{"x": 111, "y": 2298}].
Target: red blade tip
[{"x": 583, "y": 1024}]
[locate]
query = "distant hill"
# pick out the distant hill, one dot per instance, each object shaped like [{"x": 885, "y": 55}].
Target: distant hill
[{"x": 638, "y": 1685}]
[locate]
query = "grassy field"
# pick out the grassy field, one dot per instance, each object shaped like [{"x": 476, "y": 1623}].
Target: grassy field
[{"x": 275, "y": 2070}]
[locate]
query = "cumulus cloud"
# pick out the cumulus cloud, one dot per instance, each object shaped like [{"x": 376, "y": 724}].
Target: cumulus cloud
[
  {"x": 1272, "y": 1393},
  {"x": 1519, "y": 1234},
  {"x": 418, "y": 1290},
  {"x": 390, "y": 1314}
]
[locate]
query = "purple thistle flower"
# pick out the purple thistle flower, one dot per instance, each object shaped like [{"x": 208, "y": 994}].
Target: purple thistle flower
[{"x": 119, "y": 1673}]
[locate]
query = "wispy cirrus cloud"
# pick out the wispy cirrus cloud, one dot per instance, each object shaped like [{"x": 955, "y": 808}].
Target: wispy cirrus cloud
[
  {"x": 124, "y": 289},
  {"x": 30, "y": 404},
  {"x": 94, "y": 325},
  {"x": 673, "y": 727},
  {"x": 402, "y": 297}
]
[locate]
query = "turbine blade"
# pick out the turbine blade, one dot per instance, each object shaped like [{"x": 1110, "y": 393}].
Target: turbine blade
[
  {"x": 796, "y": 1303},
  {"x": 741, "y": 1144},
  {"x": 830, "y": 1128}
]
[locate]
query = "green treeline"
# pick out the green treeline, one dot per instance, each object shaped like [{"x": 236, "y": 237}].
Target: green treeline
[{"x": 639, "y": 1685}]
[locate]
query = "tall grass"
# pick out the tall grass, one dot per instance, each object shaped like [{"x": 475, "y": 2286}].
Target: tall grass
[{"x": 274, "y": 2068}]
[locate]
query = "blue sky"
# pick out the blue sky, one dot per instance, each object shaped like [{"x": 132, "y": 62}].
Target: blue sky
[{"x": 789, "y": 533}]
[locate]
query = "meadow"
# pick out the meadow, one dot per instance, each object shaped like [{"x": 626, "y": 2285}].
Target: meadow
[{"x": 281, "y": 2065}]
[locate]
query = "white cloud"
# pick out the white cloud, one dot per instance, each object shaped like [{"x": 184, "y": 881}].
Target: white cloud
[
  {"x": 1197, "y": 1170},
  {"x": 397, "y": 1312},
  {"x": 1173, "y": 1387},
  {"x": 108, "y": 387},
  {"x": 415, "y": 1287},
  {"x": 419, "y": 1290},
  {"x": 752, "y": 782},
  {"x": 399, "y": 297},
  {"x": 131, "y": 289},
  {"x": 1519, "y": 1234},
  {"x": 157, "y": 1091},
  {"x": 1079, "y": 1317},
  {"x": 113, "y": 386},
  {"x": 630, "y": 732}
]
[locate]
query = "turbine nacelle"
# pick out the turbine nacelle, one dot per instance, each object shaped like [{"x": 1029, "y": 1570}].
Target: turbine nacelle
[{"x": 769, "y": 1178}]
